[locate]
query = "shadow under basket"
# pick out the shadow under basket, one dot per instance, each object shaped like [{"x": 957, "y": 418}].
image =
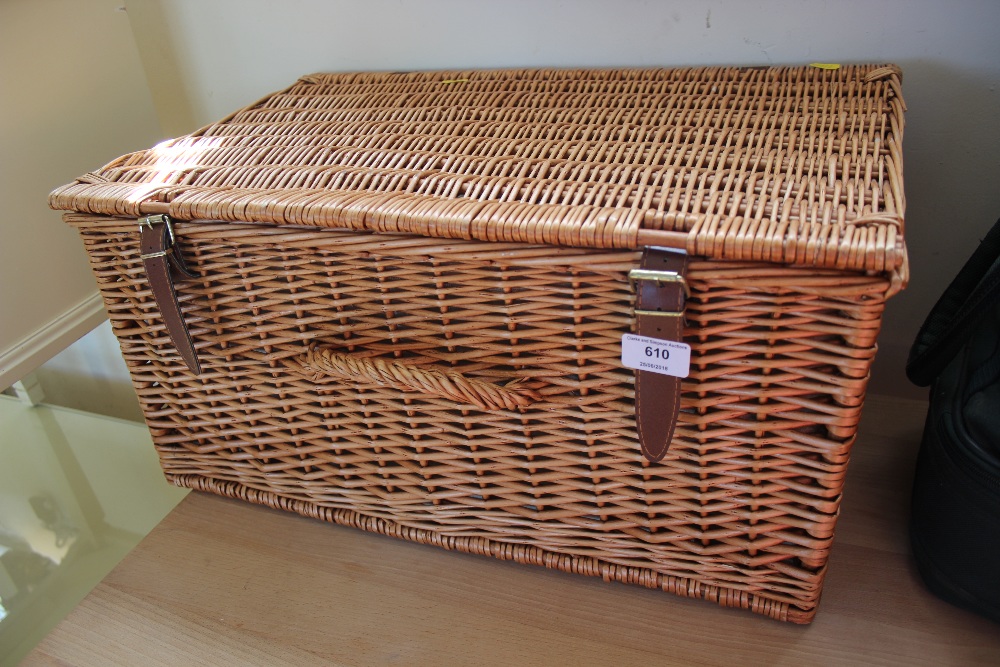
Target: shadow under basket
[{"x": 463, "y": 386}]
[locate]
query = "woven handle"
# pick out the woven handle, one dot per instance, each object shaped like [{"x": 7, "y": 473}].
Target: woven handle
[{"x": 446, "y": 384}]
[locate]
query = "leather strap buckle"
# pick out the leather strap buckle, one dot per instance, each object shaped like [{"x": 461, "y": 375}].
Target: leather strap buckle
[
  {"x": 158, "y": 219},
  {"x": 660, "y": 278}
]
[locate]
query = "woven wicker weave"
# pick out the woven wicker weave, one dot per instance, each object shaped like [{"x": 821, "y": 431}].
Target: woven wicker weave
[{"x": 455, "y": 378}]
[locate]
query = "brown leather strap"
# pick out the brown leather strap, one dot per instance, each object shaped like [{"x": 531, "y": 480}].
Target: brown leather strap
[
  {"x": 659, "y": 313},
  {"x": 161, "y": 259}
]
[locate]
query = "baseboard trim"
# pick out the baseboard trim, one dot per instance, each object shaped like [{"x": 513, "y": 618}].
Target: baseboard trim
[{"x": 49, "y": 340}]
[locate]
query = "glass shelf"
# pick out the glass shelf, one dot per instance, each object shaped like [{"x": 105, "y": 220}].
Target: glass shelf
[{"x": 77, "y": 492}]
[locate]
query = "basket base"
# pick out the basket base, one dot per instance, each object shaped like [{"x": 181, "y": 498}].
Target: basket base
[{"x": 525, "y": 554}]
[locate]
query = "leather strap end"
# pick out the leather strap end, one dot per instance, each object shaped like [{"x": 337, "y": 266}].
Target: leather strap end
[
  {"x": 160, "y": 259},
  {"x": 659, "y": 314}
]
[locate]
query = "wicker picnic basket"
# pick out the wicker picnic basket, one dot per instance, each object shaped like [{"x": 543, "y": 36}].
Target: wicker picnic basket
[{"x": 406, "y": 297}]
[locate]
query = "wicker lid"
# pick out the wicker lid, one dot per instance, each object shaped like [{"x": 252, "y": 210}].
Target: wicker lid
[{"x": 790, "y": 165}]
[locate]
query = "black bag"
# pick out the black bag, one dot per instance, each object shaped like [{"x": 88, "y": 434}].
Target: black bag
[{"x": 955, "y": 521}]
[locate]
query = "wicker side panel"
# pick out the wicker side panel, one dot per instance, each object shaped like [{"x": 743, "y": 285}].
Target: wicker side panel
[{"x": 740, "y": 511}]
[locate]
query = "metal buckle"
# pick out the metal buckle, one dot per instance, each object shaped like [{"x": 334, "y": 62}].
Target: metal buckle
[
  {"x": 636, "y": 275},
  {"x": 159, "y": 219},
  {"x": 660, "y": 277}
]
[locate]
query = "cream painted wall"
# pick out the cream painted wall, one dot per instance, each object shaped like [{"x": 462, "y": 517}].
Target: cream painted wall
[
  {"x": 74, "y": 96},
  {"x": 205, "y": 58}
]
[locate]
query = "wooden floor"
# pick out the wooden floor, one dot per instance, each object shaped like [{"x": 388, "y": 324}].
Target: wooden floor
[{"x": 219, "y": 582}]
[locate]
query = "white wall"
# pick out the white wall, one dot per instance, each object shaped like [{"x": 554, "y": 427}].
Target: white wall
[
  {"x": 206, "y": 58},
  {"x": 73, "y": 96}
]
